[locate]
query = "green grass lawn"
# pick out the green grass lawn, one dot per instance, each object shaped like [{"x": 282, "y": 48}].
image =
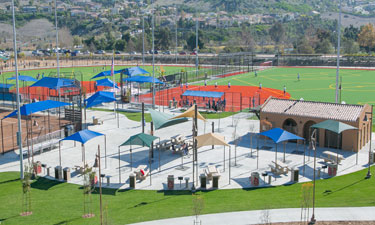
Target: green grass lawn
[
  {"x": 61, "y": 203},
  {"x": 358, "y": 86},
  {"x": 89, "y": 72}
]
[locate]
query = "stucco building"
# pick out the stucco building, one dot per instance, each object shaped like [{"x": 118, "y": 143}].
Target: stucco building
[{"x": 297, "y": 116}]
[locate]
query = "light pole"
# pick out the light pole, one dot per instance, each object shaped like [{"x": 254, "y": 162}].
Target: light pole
[
  {"x": 143, "y": 40},
  {"x": 153, "y": 58},
  {"x": 313, "y": 140},
  {"x": 368, "y": 175},
  {"x": 19, "y": 133},
  {"x": 57, "y": 49},
  {"x": 338, "y": 55}
]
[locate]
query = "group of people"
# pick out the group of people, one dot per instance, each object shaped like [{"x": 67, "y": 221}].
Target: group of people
[{"x": 219, "y": 105}]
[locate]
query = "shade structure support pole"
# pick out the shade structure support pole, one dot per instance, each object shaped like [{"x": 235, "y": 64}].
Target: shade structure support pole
[
  {"x": 105, "y": 150},
  {"x": 213, "y": 129},
  {"x": 337, "y": 149},
  {"x": 150, "y": 163},
  {"x": 304, "y": 157},
  {"x": 159, "y": 156},
  {"x": 118, "y": 119},
  {"x": 32, "y": 142},
  {"x": 276, "y": 153},
  {"x": 100, "y": 188},
  {"x": 2, "y": 138},
  {"x": 257, "y": 151},
  {"x": 60, "y": 153},
  {"x": 131, "y": 159},
  {"x": 224, "y": 159},
  {"x": 196, "y": 143},
  {"x": 143, "y": 117},
  {"x": 230, "y": 150},
  {"x": 284, "y": 152},
  {"x": 27, "y": 140},
  {"x": 119, "y": 166}
]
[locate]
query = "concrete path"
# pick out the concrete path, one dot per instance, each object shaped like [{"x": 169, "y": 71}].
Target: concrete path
[{"x": 273, "y": 216}]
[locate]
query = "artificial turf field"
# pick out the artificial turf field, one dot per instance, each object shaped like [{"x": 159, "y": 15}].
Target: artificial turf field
[{"x": 316, "y": 84}]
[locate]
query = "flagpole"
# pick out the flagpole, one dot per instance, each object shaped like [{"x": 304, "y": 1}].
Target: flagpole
[
  {"x": 19, "y": 133},
  {"x": 338, "y": 55}
]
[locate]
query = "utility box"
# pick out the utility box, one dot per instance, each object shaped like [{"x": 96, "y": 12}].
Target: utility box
[
  {"x": 67, "y": 174},
  {"x": 170, "y": 182},
  {"x": 58, "y": 173},
  {"x": 132, "y": 180},
  {"x": 203, "y": 179},
  {"x": 254, "y": 179},
  {"x": 294, "y": 176}
]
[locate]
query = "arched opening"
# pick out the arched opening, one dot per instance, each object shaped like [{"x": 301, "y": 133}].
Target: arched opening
[{"x": 290, "y": 125}]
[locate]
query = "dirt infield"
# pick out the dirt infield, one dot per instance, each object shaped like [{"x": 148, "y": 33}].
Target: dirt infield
[
  {"x": 42, "y": 126},
  {"x": 237, "y": 97}
]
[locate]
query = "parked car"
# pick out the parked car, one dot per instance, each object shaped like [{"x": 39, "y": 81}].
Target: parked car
[
  {"x": 182, "y": 53},
  {"x": 100, "y": 52},
  {"x": 193, "y": 53},
  {"x": 117, "y": 52},
  {"x": 133, "y": 53},
  {"x": 36, "y": 53},
  {"x": 167, "y": 53}
]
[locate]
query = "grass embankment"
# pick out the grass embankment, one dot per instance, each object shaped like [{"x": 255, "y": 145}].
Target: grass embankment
[
  {"x": 136, "y": 116},
  {"x": 61, "y": 203}
]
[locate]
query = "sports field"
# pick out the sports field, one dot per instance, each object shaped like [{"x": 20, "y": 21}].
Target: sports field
[
  {"x": 317, "y": 84},
  {"x": 88, "y": 72}
]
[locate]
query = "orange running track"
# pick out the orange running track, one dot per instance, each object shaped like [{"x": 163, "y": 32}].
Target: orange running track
[{"x": 237, "y": 97}]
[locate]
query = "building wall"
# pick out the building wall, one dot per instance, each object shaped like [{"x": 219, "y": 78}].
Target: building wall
[{"x": 350, "y": 140}]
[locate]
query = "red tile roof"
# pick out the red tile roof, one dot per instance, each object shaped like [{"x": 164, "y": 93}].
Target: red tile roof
[{"x": 322, "y": 110}]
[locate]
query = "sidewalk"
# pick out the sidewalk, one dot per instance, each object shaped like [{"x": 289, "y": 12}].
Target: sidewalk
[{"x": 274, "y": 215}]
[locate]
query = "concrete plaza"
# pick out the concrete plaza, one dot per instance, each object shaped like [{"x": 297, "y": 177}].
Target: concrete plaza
[{"x": 238, "y": 129}]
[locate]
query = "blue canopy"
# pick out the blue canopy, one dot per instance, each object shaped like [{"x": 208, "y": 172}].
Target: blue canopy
[
  {"x": 107, "y": 73},
  {"x": 279, "y": 135},
  {"x": 23, "y": 78},
  {"x": 6, "y": 85},
  {"x": 208, "y": 94},
  {"x": 53, "y": 83},
  {"x": 100, "y": 97},
  {"x": 30, "y": 108},
  {"x": 82, "y": 136},
  {"x": 105, "y": 82},
  {"x": 142, "y": 79},
  {"x": 133, "y": 71}
]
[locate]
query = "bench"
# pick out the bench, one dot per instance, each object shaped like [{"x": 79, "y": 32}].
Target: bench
[
  {"x": 331, "y": 157},
  {"x": 279, "y": 167}
]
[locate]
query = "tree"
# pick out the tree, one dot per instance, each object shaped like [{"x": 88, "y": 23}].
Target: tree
[
  {"x": 324, "y": 47},
  {"x": 277, "y": 33},
  {"x": 351, "y": 33},
  {"x": 304, "y": 47},
  {"x": 120, "y": 45},
  {"x": 191, "y": 41},
  {"x": 350, "y": 46},
  {"x": 77, "y": 40},
  {"x": 366, "y": 38},
  {"x": 163, "y": 38}
]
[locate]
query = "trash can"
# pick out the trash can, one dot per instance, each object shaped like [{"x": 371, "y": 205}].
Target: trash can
[
  {"x": 132, "y": 180},
  {"x": 270, "y": 178},
  {"x": 332, "y": 169},
  {"x": 67, "y": 174},
  {"x": 203, "y": 179},
  {"x": 294, "y": 175},
  {"x": 49, "y": 170},
  {"x": 58, "y": 172},
  {"x": 170, "y": 104},
  {"x": 170, "y": 182},
  {"x": 254, "y": 179},
  {"x": 215, "y": 181},
  {"x": 38, "y": 167}
]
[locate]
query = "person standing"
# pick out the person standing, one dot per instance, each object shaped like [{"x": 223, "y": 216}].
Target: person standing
[
  {"x": 205, "y": 83},
  {"x": 215, "y": 84},
  {"x": 298, "y": 77},
  {"x": 256, "y": 73},
  {"x": 260, "y": 86},
  {"x": 187, "y": 85},
  {"x": 228, "y": 84},
  {"x": 284, "y": 90}
]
